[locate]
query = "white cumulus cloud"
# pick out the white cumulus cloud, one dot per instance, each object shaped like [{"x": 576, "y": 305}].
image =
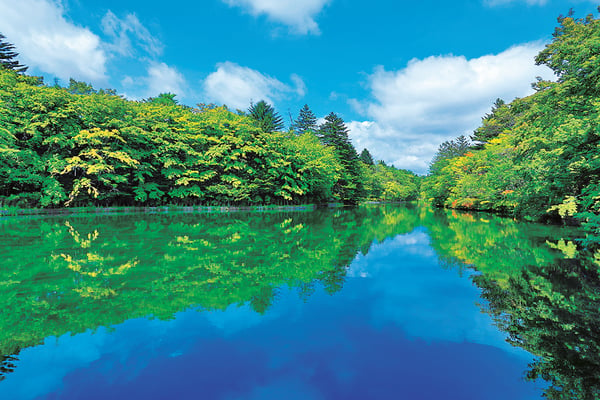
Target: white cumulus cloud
[
  {"x": 160, "y": 78},
  {"x": 297, "y": 14},
  {"x": 46, "y": 40},
  {"x": 165, "y": 79},
  {"x": 236, "y": 86},
  {"x": 413, "y": 110},
  {"x": 393, "y": 146}
]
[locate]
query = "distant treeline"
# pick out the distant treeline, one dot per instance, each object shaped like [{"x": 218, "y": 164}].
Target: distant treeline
[
  {"x": 67, "y": 146},
  {"x": 538, "y": 156}
]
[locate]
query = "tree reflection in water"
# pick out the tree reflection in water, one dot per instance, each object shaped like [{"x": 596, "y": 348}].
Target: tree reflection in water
[
  {"x": 538, "y": 288},
  {"x": 553, "y": 312},
  {"x": 73, "y": 274},
  {"x": 78, "y": 273}
]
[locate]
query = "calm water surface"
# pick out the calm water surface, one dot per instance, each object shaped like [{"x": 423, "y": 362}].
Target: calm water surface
[{"x": 381, "y": 302}]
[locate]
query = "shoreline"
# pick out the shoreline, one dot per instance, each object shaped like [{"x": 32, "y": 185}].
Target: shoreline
[{"x": 10, "y": 212}]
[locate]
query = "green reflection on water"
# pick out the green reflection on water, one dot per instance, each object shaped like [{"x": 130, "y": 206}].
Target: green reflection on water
[
  {"x": 538, "y": 288},
  {"x": 552, "y": 311},
  {"x": 71, "y": 274},
  {"x": 76, "y": 273}
]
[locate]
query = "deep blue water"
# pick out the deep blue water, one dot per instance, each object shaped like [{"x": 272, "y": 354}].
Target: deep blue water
[{"x": 402, "y": 327}]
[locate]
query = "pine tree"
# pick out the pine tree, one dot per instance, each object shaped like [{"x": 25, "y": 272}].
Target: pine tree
[
  {"x": 333, "y": 132},
  {"x": 493, "y": 124},
  {"x": 7, "y": 56},
  {"x": 307, "y": 121},
  {"x": 266, "y": 117},
  {"x": 366, "y": 157},
  {"x": 448, "y": 150}
]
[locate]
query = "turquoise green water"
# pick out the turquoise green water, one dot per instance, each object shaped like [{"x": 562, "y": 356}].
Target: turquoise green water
[{"x": 373, "y": 302}]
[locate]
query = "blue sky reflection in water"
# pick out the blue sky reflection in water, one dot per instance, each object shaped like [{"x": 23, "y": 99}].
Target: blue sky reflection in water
[{"x": 402, "y": 327}]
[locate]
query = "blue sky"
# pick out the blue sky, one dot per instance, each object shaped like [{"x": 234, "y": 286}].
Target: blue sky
[{"x": 405, "y": 76}]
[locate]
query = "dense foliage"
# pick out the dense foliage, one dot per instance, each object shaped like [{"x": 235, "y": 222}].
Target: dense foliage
[
  {"x": 79, "y": 146},
  {"x": 537, "y": 156},
  {"x": 382, "y": 182},
  {"x": 334, "y": 133}
]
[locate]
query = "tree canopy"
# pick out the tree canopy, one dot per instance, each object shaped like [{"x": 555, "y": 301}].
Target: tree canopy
[
  {"x": 167, "y": 99},
  {"x": 78, "y": 146},
  {"x": 334, "y": 133},
  {"x": 539, "y": 156}
]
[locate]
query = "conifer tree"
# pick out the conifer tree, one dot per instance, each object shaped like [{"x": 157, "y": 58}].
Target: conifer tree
[
  {"x": 8, "y": 55},
  {"x": 493, "y": 124},
  {"x": 366, "y": 157},
  {"x": 307, "y": 121},
  {"x": 266, "y": 117},
  {"x": 333, "y": 132},
  {"x": 448, "y": 150}
]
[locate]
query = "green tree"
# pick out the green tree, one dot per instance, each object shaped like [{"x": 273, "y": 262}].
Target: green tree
[
  {"x": 437, "y": 185},
  {"x": 80, "y": 87},
  {"x": 305, "y": 170},
  {"x": 540, "y": 153},
  {"x": 448, "y": 150},
  {"x": 266, "y": 116},
  {"x": 167, "y": 99},
  {"x": 8, "y": 56},
  {"x": 366, "y": 157},
  {"x": 307, "y": 121},
  {"x": 333, "y": 132},
  {"x": 574, "y": 54},
  {"x": 493, "y": 124},
  {"x": 80, "y": 147}
]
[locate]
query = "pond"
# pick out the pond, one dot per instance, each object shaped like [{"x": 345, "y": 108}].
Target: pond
[{"x": 375, "y": 302}]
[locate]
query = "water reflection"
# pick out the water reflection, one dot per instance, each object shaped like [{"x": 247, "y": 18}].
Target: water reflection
[
  {"x": 68, "y": 275},
  {"x": 552, "y": 311},
  {"x": 546, "y": 298},
  {"x": 398, "y": 319},
  {"x": 7, "y": 365}
]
